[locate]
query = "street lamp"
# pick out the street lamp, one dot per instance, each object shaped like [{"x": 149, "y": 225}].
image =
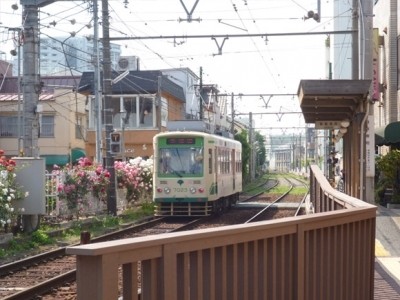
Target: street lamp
[{"x": 123, "y": 116}]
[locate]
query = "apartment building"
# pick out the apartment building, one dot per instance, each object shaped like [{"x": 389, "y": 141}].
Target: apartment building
[{"x": 61, "y": 115}]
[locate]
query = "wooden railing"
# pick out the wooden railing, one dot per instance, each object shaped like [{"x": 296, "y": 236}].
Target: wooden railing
[{"x": 325, "y": 255}]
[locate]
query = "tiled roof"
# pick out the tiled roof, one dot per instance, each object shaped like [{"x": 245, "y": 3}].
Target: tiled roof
[
  {"x": 136, "y": 82},
  {"x": 10, "y": 84},
  {"x": 14, "y": 97}
]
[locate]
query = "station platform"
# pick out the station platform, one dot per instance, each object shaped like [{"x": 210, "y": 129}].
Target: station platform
[{"x": 387, "y": 254}]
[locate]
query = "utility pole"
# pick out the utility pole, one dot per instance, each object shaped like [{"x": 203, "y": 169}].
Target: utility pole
[
  {"x": 97, "y": 85},
  {"x": 201, "y": 99},
  {"x": 30, "y": 83},
  {"x": 233, "y": 116},
  {"x": 367, "y": 73},
  {"x": 251, "y": 140},
  {"x": 20, "y": 123},
  {"x": 354, "y": 41},
  {"x": 108, "y": 109}
]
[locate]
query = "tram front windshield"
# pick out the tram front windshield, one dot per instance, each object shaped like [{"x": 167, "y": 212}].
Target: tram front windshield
[{"x": 181, "y": 161}]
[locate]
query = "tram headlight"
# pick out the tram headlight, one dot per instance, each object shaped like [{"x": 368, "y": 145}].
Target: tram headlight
[
  {"x": 167, "y": 190},
  {"x": 192, "y": 190}
]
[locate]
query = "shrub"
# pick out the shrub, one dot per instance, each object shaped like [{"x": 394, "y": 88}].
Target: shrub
[
  {"x": 79, "y": 181},
  {"x": 136, "y": 175},
  {"x": 389, "y": 173},
  {"x": 10, "y": 191}
]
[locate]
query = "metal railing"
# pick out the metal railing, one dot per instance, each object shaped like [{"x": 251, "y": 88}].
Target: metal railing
[
  {"x": 56, "y": 207},
  {"x": 325, "y": 255},
  {"x": 51, "y": 194}
]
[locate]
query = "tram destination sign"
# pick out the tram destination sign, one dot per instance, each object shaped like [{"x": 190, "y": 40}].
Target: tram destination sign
[{"x": 181, "y": 141}]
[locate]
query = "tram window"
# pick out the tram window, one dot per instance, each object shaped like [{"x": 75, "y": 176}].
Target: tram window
[
  {"x": 210, "y": 160},
  {"x": 180, "y": 161},
  {"x": 232, "y": 164}
]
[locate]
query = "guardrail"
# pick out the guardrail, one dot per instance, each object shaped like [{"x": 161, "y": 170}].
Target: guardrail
[{"x": 325, "y": 255}]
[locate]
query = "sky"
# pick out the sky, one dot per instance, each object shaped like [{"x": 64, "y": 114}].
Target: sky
[{"x": 241, "y": 65}]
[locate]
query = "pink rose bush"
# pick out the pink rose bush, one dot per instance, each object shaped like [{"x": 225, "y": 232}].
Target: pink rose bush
[
  {"x": 79, "y": 181},
  {"x": 136, "y": 176},
  {"x": 86, "y": 178}
]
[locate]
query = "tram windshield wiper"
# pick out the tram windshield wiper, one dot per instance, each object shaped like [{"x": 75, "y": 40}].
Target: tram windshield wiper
[{"x": 177, "y": 173}]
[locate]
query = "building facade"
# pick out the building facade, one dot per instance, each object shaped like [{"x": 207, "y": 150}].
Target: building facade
[
  {"x": 386, "y": 68},
  {"x": 63, "y": 55},
  {"x": 142, "y": 103},
  {"x": 62, "y": 120}
]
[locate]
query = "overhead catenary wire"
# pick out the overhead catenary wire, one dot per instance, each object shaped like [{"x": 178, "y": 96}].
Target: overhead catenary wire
[
  {"x": 162, "y": 55},
  {"x": 246, "y": 35}
]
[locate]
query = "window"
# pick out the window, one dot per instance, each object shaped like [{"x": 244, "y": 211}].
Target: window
[
  {"x": 8, "y": 126},
  {"x": 145, "y": 112},
  {"x": 47, "y": 126},
  {"x": 181, "y": 161},
  {"x": 79, "y": 129},
  {"x": 129, "y": 112},
  {"x": 210, "y": 161},
  {"x": 164, "y": 111},
  {"x": 137, "y": 112},
  {"x": 238, "y": 162},
  {"x": 398, "y": 63}
]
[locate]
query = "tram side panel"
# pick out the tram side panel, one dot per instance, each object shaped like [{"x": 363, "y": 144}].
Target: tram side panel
[{"x": 178, "y": 191}]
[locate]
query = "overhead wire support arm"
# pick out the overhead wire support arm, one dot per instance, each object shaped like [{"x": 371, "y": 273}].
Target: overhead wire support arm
[
  {"x": 271, "y": 113},
  {"x": 199, "y": 36},
  {"x": 218, "y": 46},
  {"x": 257, "y": 95},
  {"x": 226, "y": 36},
  {"x": 266, "y": 102},
  {"x": 189, "y": 14}
]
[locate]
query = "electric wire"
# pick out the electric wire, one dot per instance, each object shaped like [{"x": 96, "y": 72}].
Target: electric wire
[{"x": 167, "y": 57}]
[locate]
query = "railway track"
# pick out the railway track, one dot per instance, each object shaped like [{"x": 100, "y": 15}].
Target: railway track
[
  {"x": 281, "y": 206},
  {"x": 51, "y": 275},
  {"x": 36, "y": 275},
  {"x": 265, "y": 205}
]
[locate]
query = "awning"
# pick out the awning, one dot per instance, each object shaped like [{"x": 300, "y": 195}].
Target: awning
[
  {"x": 329, "y": 101},
  {"x": 388, "y": 135},
  {"x": 55, "y": 159},
  {"x": 76, "y": 154}
]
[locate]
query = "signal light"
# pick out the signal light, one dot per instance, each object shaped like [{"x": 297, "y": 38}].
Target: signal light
[{"x": 115, "y": 143}]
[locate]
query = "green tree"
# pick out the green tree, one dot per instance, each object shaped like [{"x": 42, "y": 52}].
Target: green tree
[
  {"x": 243, "y": 138},
  {"x": 388, "y": 167},
  {"x": 261, "y": 151}
]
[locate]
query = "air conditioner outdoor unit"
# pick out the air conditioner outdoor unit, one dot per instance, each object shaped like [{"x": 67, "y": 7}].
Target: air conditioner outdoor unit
[{"x": 127, "y": 63}]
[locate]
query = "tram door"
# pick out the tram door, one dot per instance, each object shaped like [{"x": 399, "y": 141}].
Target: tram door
[
  {"x": 233, "y": 169},
  {"x": 216, "y": 167}
]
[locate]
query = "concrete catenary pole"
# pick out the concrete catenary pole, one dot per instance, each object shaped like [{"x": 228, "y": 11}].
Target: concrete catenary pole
[
  {"x": 97, "y": 84},
  {"x": 251, "y": 141},
  {"x": 108, "y": 107},
  {"x": 366, "y": 72},
  {"x": 30, "y": 84}
]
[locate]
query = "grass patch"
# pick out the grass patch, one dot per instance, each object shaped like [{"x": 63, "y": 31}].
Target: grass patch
[
  {"x": 257, "y": 186},
  {"x": 279, "y": 189},
  {"x": 26, "y": 242},
  {"x": 299, "y": 190}
]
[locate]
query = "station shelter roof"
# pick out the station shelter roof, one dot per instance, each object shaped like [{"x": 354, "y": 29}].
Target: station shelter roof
[{"x": 327, "y": 102}]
